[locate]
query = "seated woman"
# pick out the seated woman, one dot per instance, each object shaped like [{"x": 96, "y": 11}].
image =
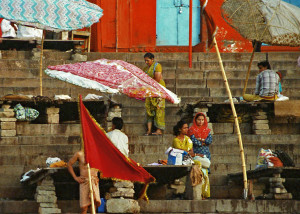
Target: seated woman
[
  {"x": 182, "y": 141},
  {"x": 201, "y": 138},
  {"x": 200, "y": 135}
]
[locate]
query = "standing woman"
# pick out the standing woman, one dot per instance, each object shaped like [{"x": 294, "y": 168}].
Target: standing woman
[
  {"x": 155, "y": 107},
  {"x": 200, "y": 135}
]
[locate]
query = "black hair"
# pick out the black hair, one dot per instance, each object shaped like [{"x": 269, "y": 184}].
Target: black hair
[
  {"x": 178, "y": 126},
  {"x": 264, "y": 64},
  {"x": 118, "y": 122},
  {"x": 149, "y": 55}
]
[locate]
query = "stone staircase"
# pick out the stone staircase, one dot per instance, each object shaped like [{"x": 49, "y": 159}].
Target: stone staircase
[{"x": 35, "y": 142}]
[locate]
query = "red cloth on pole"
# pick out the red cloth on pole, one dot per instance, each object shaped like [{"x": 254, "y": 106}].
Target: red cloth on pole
[
  {"x": 208, "y": 11},
  {"x": 101, "y": 154}
]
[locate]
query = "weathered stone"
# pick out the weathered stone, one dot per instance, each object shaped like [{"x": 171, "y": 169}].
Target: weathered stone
[
  {"x": 260, "y": 121},
  {"x": 278, "y": 190},
  {"x": 53, "y": 118},
  {"x": 46, "y": 192},
  {"x": 46, "y": 181},
  {"x": 45, "y": 187},
  {"x": 79, "y": 57},
  {"x": 263, "y": 131},
  {"x": 3, "y": 119},
  {"x": 114, "y": 114},
  {"x": 260, "y": 117},
  {"x": 126, "y": 184},
  {"x": 52, "y": 110},
  {"x": 197, "y": 192},
  {"x": 46, "y": 199},
  {"x": 260, "y": 113},
  {"x": 6, "y": 110},
  {"x": 7, "y": 114},
  {"x": 179, "y": 188},
  {"x": 275, "y": 180},
  {"x": 5, "y": 106},
  {"x": 203, "y": 110},
  {"x": 123, "y": 192},
  {"x": 49, "y": 205},
  {"x": 44, "y": 210},
  {"x": 259, "y": 126},
  {"x": 115, "y": 110},
  {"x": 8, "y": 133},
  {"x": 283, "y": 196},
  {"x": 122, "y": 206},
  {"x": 8, "y": 125}
]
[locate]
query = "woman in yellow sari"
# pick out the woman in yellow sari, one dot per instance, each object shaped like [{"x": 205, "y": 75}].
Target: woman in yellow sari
[
  {"x": 155, "y": 107},
  {"x": 182, "y": 141}
]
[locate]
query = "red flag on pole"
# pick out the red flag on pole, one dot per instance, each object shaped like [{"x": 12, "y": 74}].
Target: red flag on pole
[
  {"x": 208, "y": 11},
  {"x": 101, "y": 154}
]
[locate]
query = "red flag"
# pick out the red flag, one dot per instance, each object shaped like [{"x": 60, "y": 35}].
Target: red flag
[
  {"x": 101, "y": 154},
  {"x": 208, "y": 11}
]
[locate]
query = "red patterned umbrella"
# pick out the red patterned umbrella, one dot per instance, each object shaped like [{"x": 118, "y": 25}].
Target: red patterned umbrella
[{"x": 112, "y": 76}]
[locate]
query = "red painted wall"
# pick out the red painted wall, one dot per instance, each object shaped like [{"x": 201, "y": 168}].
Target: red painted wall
[{"x": 130, "y": 26}]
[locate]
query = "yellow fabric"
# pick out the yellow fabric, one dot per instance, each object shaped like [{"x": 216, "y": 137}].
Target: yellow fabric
[
  {"x": 185, "y": 145},
  {"x": 254, "y": 97},
  {"x": 206, "y": 185},
  {"x": 58, "y": 164},
  {"x": 155, "y": 107}
]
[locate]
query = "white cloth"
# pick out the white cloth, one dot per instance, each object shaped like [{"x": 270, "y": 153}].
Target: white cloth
[
  {"x": 7, "y": 29},
  {"x": 29, "y": 32},
  {"x": 120, "y": 140}
]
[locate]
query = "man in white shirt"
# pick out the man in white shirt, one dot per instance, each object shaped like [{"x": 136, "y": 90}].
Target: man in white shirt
[
  {"x": 8, "y": 29},
  {"x": 118, "y": 138}
]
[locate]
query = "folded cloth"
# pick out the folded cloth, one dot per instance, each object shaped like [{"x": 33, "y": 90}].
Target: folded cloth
[
  {"x": 50, "y": 161},
  {"x": 62, "y": 97},
  {"x": 92, "y": 97},
  {"x": 58, "y": 164}
]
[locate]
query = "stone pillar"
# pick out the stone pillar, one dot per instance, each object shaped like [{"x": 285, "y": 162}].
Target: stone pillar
[
  {"x": 115, "y": 111},
  {"x": 7, "y": 122},
  {"x": 204, "y": 111},
  {"x": 52, "y": 115},
  {"x": 46, "y": 197},
  {"x": 120, "y": 199},
  {"x": 260, "y": 123}
]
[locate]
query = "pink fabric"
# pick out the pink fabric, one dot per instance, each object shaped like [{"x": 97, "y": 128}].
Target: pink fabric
[
  {"x": 199, "y": 131},
  {"x": 131, "y": 81}
]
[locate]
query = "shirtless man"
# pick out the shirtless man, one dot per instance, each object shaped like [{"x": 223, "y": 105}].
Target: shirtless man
[{"x": 83, "y": 181}]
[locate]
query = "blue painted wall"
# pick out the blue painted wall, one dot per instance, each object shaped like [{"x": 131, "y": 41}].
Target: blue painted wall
[{"x": 172, "y": 22}]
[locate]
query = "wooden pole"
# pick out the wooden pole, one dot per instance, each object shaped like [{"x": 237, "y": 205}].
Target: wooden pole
[
  {"x": 91, "y": 189},
  {"x": 190, "y": 33},
  {"x": 41, "y": 64},
  {"x": 235, "y": 120},
  {"x": 249, "y": 68}
]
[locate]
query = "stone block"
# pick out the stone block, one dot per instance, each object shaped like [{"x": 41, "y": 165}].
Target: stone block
[
  {"x": 3, "y": 119},
  {"x": 44, "y": 187},
  {"x": 203, "y": 110},
  {"x": 278, "y": 190},
  {"x": 260, "y": 117},
  {"x": 112, "y": 114},
  {"x": 52, "y": 110},
  {"x": 8, "y": 125},
  {"x": 285, "y": 196},
  {"x": 52, "y": 118},
  {"x": 122, "y": 206},
  {"x": 5, "y": 106},
  {"x": 48, "y": 205},
  {"x": 197, "y": 192},
  {"x": 46, "y": 198},
  {"x": 45, "y": 210},
  {"x": 258, "y": 126},
  {"x": 79, "y": 57},
  {"x": 123, "y": 184},
  {"x": 260, "y": 113},
  {"x": 260, "y": 121},
  {"x": 8, "y": 133},
  {"x": 46, "y": 192},
  {"x": 263, "y": 131},
  {"x": 6, "y": 110},
  {"x": 123, "y": 192},
  {"x": 7, "y": 114}
]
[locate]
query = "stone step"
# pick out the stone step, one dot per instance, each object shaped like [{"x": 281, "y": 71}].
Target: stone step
[
  {"x": 24, "y": 129},
  {"x": 52, "y": 150},
  {"x": 140, "y": 110},
  {"x": 219, "y": 206},
  {"x": 171, "y": 119},
  {"x": 171, "y": 206}
]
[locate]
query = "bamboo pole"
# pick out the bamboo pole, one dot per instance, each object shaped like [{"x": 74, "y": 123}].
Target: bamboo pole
[
  {"x": 235, "y": 120},
  {"x": 41, "y": 64},
  {"x": 91, "y": 189},
  {"x": 249, "y": 68}
]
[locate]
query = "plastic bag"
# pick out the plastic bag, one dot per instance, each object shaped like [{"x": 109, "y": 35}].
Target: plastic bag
[{"x": 205, "y": 162}]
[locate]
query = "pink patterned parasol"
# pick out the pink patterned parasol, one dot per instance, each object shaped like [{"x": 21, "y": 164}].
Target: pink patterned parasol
[{"x": 112, "y": 76}]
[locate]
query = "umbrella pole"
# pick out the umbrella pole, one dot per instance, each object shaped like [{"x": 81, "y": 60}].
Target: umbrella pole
[
  {"x": 249, "y": 68},
  {"x": 41, "y": 64},
  {"x": 91, "y": 189},
  {"x": 235, "y": 120}
]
